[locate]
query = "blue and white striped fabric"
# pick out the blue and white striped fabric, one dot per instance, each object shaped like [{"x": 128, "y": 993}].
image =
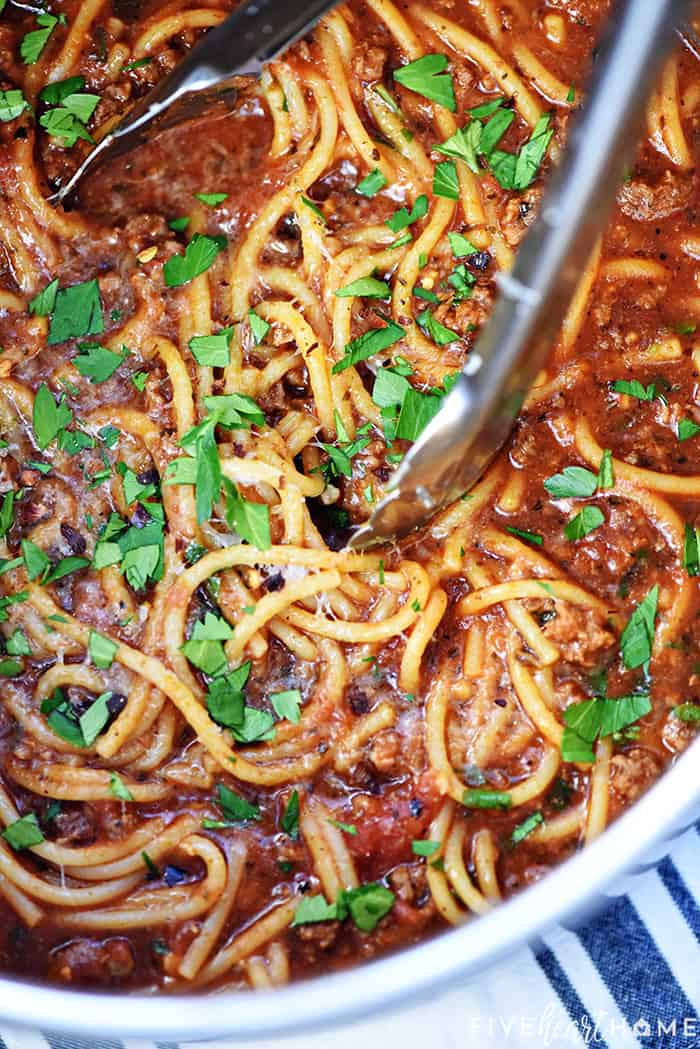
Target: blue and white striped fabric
[{"x": 630, "y": 979}]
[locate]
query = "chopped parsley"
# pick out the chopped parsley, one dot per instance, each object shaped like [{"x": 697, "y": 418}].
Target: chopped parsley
[
  {"x": 530, "y": 537},
  {"x": 259, "y": 327},
  {"x": 461, "y": 245},
  {"x": 425, "y": 848},
  {"x": 436, "y": 331},
  {"x": 526, "y": 827},
  {"x": 212, "y": 199},
  {"x": 34, "y": 43},
  {"x": 102, "y": 650},
  {"x": 687, "y": 429},
  {"x": 688, "y": 712},
  {"x": 97, "y": 363},
  {"x": 76, "y": 311},
  {"x": 12, "y": 105},
  {"x": 596, "y": 718},
  {"x": 234, "y": 807},
  {"x": 585, "y": 522},
  {"x": 403, "y": 218},
  {"x": 445, "y": 181},
  {"x": 691, "y": 550},
  {"x": 23, "y": 833},
  {"x": 290, "y": 817},
  {"x": 477, "y": 798},
  {"x": 347, "y": 828},
  {"x": 427, "y": 77},
  {"x": 313, "y": 207},
  {"x": 479, "y": 139},
  {"x": 49, "y": 417},
  {"x": 212, "y": 351},
  {"x": 366, "y": 905},
  {"x": 365, "y": 287},
  {"x": 370, "y": 185},
  {"x": 634, "y": 388},
  {"x": 118, "y": 788},
  {"x": 287, "y": 704},
  {"x": 199, "y": 255},
  {"x": 637, "y": 638},
  {"x": 364, "y": 346},
  {"x": 249, "y": 519}
]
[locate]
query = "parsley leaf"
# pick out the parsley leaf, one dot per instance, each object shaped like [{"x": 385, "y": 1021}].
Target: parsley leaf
[
  {"x": 226, "y": 699},
  {"x": 34, "y": 43},
  {"x": 102, "y": 650},
  {"x": 445, "y": 181},
  {"x": 313, "y": 909},
  {"x": 634, "y": 388},
  {"x": 436, "y": 331},
  {"x": 574, "y": 482},
  {"x": 205, "y": 648},
  {"x": 687, "y": 429},
  {"x": 599, "y": 717},
  {"x": 118, "y": 788},
  {"x": 366, "y": 905},
  {"x": 529, "y": 537},
  {"x": 258, "y": 326},
  {"x": 77, "y": 311},
  {"x": 478, "y": 798},
  {"x": 287, "y": 704},
  {"x": 251, "y": 520},
  {"x": 423, "y": 847},
  {"x": 426, "y": 76},
  {"x": 464, "y": 145},
  {"x": 23, "y": 833},
  {"x": 364, "y": 346},
  {"x": 199, "y": 255},
  {"x": 97, "y": 363},
  {"x": 637, "y": 638},
  {"x": 531, "y": 155},
  {"x": 212, "y": 199},
  {"x": 606, "y": 477},
  {"x": 586, "y": 521},
  {"x": 370, "y": 185},
  {"x": 367, "y": 287},
  {"x": 290, "y": 816},
  {"x": 403, "y": 217},
  {"x": 691, "y": 550},
  {"x": 212, "y": 351},
  {"x": 49, "y": 417},
  {"x": 234, "y": 807},
  {"x": 43, "y": 303},
  {"x": 18, "y": 644},
  {"x": 95, "y": 718},
  {"x": 12, "y": 104},
  {"x": 54, "y": 94},
  {"x": 461, "y": 245},
  {"x": 526, "y": 827}
]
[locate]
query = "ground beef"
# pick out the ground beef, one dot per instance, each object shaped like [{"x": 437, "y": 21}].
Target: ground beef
[
  {"x": 96, "y": 962},
  {"x": 633, "y": 772},
  {"x": 648, "y": 203},
  {"x": 74, "y": 827}
]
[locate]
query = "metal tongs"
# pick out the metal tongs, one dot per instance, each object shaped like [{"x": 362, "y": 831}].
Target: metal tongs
[
  {"x": 255, "y": 33},
  {"x": 478, "y": 414}
]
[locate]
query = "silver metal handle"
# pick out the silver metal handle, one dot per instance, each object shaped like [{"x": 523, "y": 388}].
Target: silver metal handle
[{"x": 478, "y": 414}]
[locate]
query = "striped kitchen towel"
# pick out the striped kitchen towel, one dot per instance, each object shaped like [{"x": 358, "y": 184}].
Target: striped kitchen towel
[{"x": 629, "y": 979}]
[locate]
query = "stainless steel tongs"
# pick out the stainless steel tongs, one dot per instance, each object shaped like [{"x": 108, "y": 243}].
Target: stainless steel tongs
[
  {"x": 478, "y": 415},
  {"x": 255, "y": 33}
]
